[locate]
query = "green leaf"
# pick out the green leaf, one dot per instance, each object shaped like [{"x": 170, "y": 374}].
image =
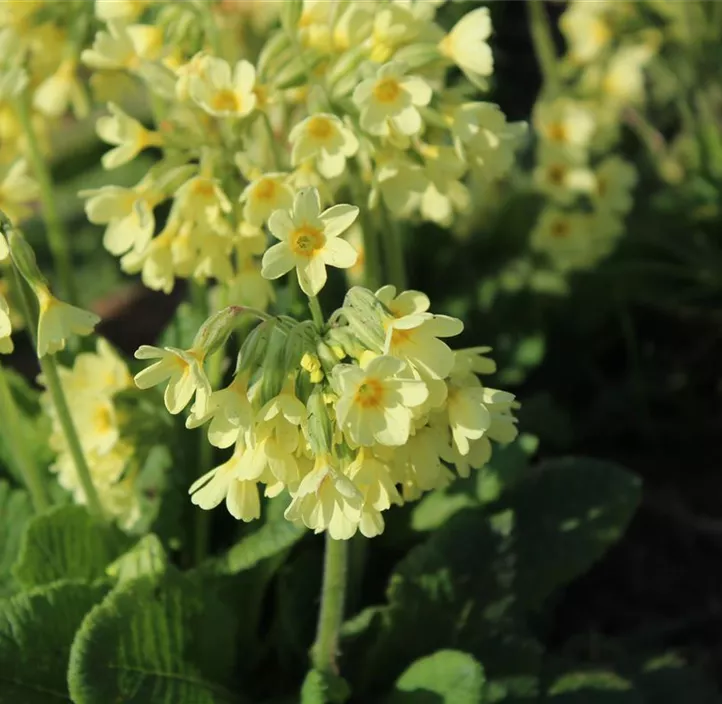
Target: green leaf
[
  {"x": 566, "y": 514},
  {"x": 16, "y": 509},
  {"x": 593, "y": 687},
  {"x": 448, "y": 677},
  {"x": 324, "y": 688},
  {"x": 67, "y": 543},
  {"x": 147, "y": 556},
  {"x": 36, "y": 632},
  {"x": 159, "y": 638}
]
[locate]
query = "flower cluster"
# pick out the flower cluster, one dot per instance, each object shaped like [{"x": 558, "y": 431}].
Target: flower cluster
[
  {"x": 347, "y": 96},
  {"x": 93, "y": 383},
  {"x": 587, "y": 186},
  {"x": 348, "y": 417}
]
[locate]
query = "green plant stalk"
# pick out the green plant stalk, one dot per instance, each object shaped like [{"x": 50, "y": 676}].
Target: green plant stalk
[
  {"x": 12, "y": 435},
  {"x": 49, "y": 368},
  {"x": 333, "y": 594},
  {"x": 57, "y": 237},
  {"x": 273, "y": 142},
  {"x": 394, "y": 250},
  {"x": 316, "y": 312},
  {"x": 541, "y": 35},
  {"x": 371, "y": 243}
]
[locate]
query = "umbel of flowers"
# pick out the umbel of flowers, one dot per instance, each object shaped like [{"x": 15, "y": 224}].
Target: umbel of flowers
[
  {"x": 348, "y": 417},
  {"x": 353, "y": 98}
]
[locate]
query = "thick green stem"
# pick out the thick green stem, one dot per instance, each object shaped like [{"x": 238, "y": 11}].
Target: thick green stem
[
  {"x": 316, "y": 312},
  {"x": 394, "y": 249},
  {"x": 49, "y": 369},
  {"x": 541, "y": 34},
  {"x": 13, "y": 436},
  {"x": 57, "y": 237},
  {"x": 333, "y": 594}
]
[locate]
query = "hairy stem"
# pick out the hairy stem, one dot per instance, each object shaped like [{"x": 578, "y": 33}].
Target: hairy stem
[
  {"x": 541, "y": 34},
  {"x": 316, "y": 312},
  {"x": 333, "y": 594}
]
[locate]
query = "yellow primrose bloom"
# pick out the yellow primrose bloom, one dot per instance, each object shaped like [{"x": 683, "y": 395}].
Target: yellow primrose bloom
[
  {"x": 325, "y": 138},
  {"x": 6, "y": 330},
  {"x": 183, "y": 372},
  {"x": 264, "y": 195},
  {"x": 391, "y": 27},
  {"x": 127, "y": 133},
  {"x": 418, "y": 465},
  {"x": 112, "y": 50},
  {"x": 4, "y": 247},
  {"x": 398, "y": 180},
  {"x": 223, "y": 482},
  {"x": 201, "y": 198},
  {"x": 127, "y": 212},
  {"x": 412, "y": 333},
  {"x": 566, "y": 124},
  {"x": 445, "y": 193},
  {"x": 125, "y": 10},
  {"x": 586, "y": 30},
  {"x": 229, "y": 411},
  {"x": 390, "y": 101},
  {"x": 614, "y": 180},
  {"x": 222, "y": 91},
  {"x": 373, "y": 479},
  {"x": 309, "y": 240},
  {"x": 102, "y": 371},
  {"x": 16, "y": 190},
  {"x": 58, "y": 321},
  {"x": 61, "y": 89},
  {"x": 248, "y": 287},
  {"x": 623, "y": 80},
  {"x": 327, "y": 500},
  {"x": 375, "y": 402},
  {"x": 466, "y": 45},
  {"x": 560, "y": 178},
  {"x": 154, "y": 262},
  {"x": 564, "y": 237}
]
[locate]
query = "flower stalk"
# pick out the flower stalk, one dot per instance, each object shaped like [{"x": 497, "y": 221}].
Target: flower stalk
[
  {"x": 333, "y": 595},
  {"x": 541, "y": 35},
  {"x": 56, "y": 234}
]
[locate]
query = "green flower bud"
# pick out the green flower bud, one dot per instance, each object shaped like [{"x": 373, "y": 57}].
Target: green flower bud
[
  {"x": 364, "y": 313},
  {"x": 417, "y": 56},
  {"x": 214, "y": 333},
  {"x": 302, "y": 340},
  {"x": 254, "y": 347},
  {"x": 290, "y": 14},
  {"x": 24, "y": 260},
  {"x": 273, "y": 368},
  {"x": 320, "y": 429}
]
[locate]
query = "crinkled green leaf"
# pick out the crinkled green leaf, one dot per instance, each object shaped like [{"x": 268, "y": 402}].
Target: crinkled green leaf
[
  {"x": 16, "y": 509},
  {"x": 147, "y": 556},
  {"x": 592, "y": 687},
  {"x": 159, "y": 638},
  {"x": 446, "y": 677},
  {"x": 36, "y": 632},
  {"x": 67, "y": 543}
]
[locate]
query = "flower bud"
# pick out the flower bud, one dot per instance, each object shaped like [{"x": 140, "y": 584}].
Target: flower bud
[
  {"x": 364, "y": 314},
  {"x": 274, "y": 369},
  {"x": 320, "y": 431},
  {"x": 254, "y": 347},
  {"x": 24, "y": 260},
  {"x": 214, "y": 333},
  {"x": 290, "y": 13}
]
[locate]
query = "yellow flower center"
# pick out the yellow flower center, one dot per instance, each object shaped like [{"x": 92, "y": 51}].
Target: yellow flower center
[
  {"x": 400, "y": 337},
  {"x": 103, "y": 420},
  {"x": 601, "y": 187},
  {"x": 265, "y": 189},
  {"x": 370, "y": 394},
  {"x": 320, "y": 128},
  {"x": 204, "y": 187},
  {"x": 387, "y": 90},
  {"x": 557, "y": 132},
  {"x": 306, "y": 241},
  {"x": 226, "y": 100},
  {"x": 556, "y": 174}
]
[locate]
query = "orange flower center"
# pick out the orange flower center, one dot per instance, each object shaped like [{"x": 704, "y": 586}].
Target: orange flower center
[
  {"x": 226, "y": 101},
  {"x": 560, "y": 229},
  {"x": 387, "y": 90},
  {"x": 306, "y": 241},
  {"x": 557, "y": 132},
  {"x": 556, "y": 174},
  {"x": 370, "y": 394}
]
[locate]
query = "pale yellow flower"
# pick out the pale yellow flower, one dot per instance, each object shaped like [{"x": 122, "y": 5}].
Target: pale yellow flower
[
  {"x": 324, "y": 138},
  {"x": 58, "y": 321},
  {"x": 127, "y": 133},
  {"x": 466, "y": 45},
  {"x": 375, "y": 402},
  {"x": 17, "y": 189},
  {"x": 614, "y": 180},
  {"x": 112, "y": 49},
  {"x": 60, "y": 90},
  {"x": 565, "y": 124},
  {"x": 390, "y": 101},
  {"x": 222, "y": 91},
  {"x": 263, "y": 195},
  {"x": 183, "y": 372},
  {"x": 586, "y": 29},
  {"x": 125, "y": 10},
  {"x": 6, "y": 330},
  {"x": 309, "y": 240}
]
